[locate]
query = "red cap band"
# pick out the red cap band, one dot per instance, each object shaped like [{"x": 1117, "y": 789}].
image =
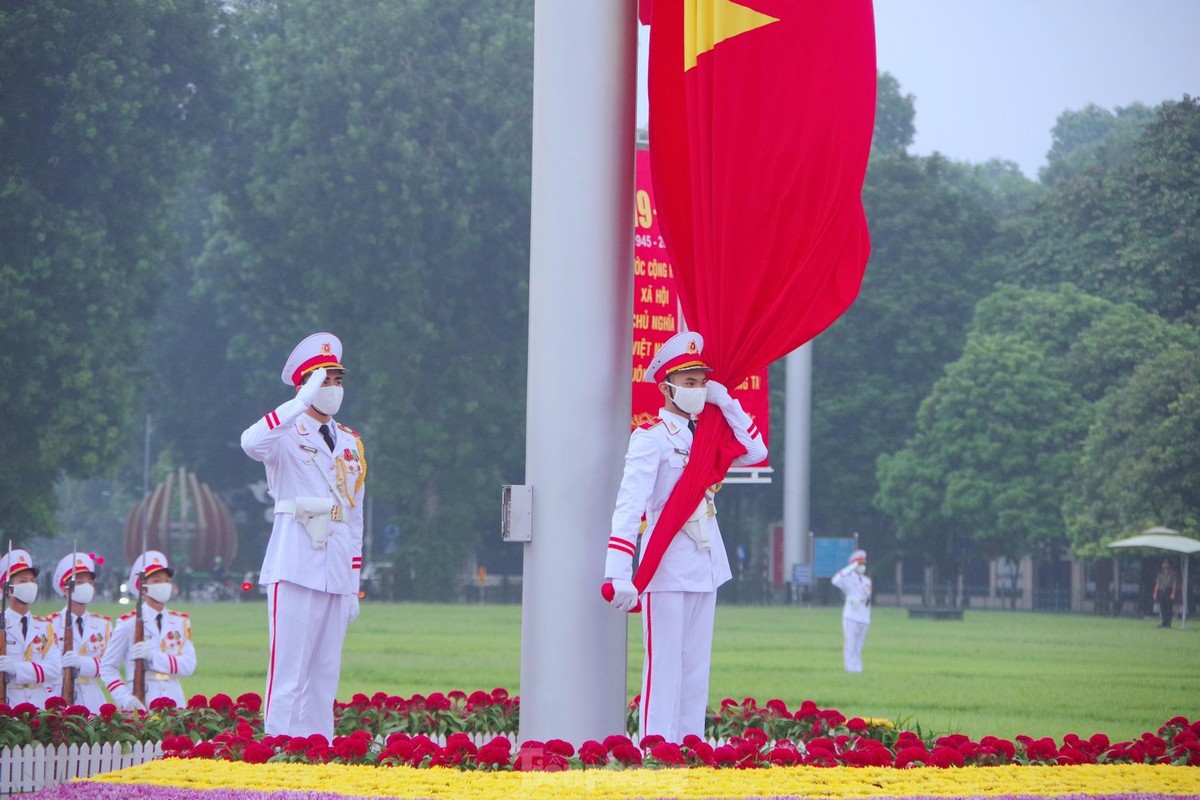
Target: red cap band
[
  {"x": 323, "y": 360},
  {"x": 680, "y": 362}
]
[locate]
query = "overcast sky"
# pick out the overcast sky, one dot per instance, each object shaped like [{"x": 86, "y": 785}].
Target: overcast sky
[{"x": 990, "y": 77}]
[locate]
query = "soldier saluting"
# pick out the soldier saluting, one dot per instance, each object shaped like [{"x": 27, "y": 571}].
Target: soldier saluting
[{"x": 316, "y": 474}]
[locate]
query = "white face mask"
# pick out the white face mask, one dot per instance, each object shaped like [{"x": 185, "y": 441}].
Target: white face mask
[
  {"x": 861, "y": 569},
  {"x": 160, "y": 592},
  {"x": 689, "y": 399},
  {"x": 83, "y": 593},
  {"x": 328, "y": 400},
  {"x": 25, "y": 592}
]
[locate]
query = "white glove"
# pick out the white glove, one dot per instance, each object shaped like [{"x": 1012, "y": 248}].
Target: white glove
[
  {"x": 353, "y": 607},
  {"x": 127, "y": 701},
  {"x": 142, "y": 650},
  {"x": 70, "y": 660},
  {"x": 9, "y": 664},
  {"x": 625, "y": 595},
  {"x": 718, "y": 395},
  {"x": 308, "y": 392}
]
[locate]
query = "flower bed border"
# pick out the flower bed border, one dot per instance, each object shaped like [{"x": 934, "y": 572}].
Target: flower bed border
[{"x": 468, "y": 732}]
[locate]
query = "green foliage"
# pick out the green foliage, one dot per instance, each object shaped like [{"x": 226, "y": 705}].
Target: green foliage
[
  {"x": 103, "y": 104},
  {"x": 1000, "y": 435},
  {"x": 1126, "y": 227},
  {"x": 1139, "y": 465},
  {"x": 894, "y": 115},
  {"x": 933, "y": 227},
  {"x": 375, "y": 183},
  {"x": 1093, "y": 135}
]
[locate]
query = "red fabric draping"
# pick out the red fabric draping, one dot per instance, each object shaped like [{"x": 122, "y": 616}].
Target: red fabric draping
[{"x": 761, "y": 114}]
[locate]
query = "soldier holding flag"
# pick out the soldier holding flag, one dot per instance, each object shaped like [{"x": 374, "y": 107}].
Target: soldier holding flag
[{"x": 680, "y": 600}]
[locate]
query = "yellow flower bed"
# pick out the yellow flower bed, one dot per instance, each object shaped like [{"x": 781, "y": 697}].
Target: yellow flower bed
[{"x": 838, "y": 782}]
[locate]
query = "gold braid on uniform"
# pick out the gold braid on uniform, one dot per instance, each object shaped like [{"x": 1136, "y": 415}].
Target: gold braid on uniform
[
  {"x": 340, "y": 469},
  {"x": 362, "y": 462}
]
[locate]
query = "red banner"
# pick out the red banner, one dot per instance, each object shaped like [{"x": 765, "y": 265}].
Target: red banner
[{"x": 657, "y": 317}]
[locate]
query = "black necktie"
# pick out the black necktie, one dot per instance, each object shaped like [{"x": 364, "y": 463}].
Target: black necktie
[
  {"x": 328, "y": 436},
  {"x": 79, "y": 624},
  {"x": 692, "y": 425},
  {"x": 24, "y": 627},
  {"x": 159, "y": 620}
]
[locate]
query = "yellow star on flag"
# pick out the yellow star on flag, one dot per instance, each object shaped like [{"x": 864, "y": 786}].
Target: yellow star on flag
[{"x": 707, "y": 23}]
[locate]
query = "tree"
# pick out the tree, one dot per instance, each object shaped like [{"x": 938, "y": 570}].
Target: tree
[
  {"x": 894, "y": 115},
  {"x": 933, "y": 227},
  {"x": 1139, "y": 465},
  {"x": 1000, "y": 435},
  {"x": 1093, "y": 135},
  {"x": 103, "y": 105},
  {"x": 375, "y": 183},
  {"x": 991, "y": 436},
  {"x": 1127, "y": 226}
]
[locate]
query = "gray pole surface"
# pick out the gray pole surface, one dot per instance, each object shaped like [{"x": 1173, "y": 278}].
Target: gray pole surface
[
  {"x": 573, "y": 644},
  {"x": 796, "y": 446}
]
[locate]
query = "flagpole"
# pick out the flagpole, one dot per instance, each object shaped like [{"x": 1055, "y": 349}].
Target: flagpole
[
  {"x": 573, "y": 645},
  {"x": 796, "y": 461}
]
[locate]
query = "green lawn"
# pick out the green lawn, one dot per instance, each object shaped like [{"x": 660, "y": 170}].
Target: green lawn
[{"x": 995, "y": 672}]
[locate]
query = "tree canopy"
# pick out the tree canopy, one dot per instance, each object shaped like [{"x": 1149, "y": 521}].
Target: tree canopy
[
  {"x": 103, "y": 104},
  {"x": 1001, "y": 434}
]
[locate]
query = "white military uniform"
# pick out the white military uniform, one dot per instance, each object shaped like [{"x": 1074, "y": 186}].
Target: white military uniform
[
  {"x": 856, "y": 611},
  {"x": 680, "y": 602},
  {"x": 42, "y": 664},
  {"x": 31, "y": 646},
  {"x": 312, "y": 587},
  {"x": 89, "y": 640},
  {"x": 170, "y": 635}
]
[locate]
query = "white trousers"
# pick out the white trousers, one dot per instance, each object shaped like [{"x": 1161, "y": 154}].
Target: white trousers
[
  {"x": 854, "y": 634},
  {"x": 677, "y": 633},
  {"x": 307, "y": 629}
]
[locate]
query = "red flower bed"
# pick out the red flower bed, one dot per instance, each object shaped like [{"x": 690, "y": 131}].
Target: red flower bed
[{"x": 468, "y": 732}]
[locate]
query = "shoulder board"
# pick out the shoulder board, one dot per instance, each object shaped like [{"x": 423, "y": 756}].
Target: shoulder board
[
  {"x": 171, "y": 613},
  {"x": 129, "y": 615},
  {"x": 42, "y": 619},
  {"x": 350, "y": 431},
  {"x": 645, "y": 426},
  {"x": 54, "y": 616},
  {"x": 104, "y": 617}
]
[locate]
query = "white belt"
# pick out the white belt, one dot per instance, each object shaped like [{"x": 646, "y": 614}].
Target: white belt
[
  {"x": 695, "y": 528},
  {"x": 336, "y": 512},
  {"x": 314, "y": 513}
]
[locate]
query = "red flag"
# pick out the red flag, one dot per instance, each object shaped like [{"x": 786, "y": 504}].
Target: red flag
[
  {"x": 761, "y": 111},
  {"x": 644, "y": 11}
]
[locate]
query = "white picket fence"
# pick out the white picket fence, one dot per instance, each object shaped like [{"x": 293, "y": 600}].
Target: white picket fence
[{"x": 33, "y": 767}]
